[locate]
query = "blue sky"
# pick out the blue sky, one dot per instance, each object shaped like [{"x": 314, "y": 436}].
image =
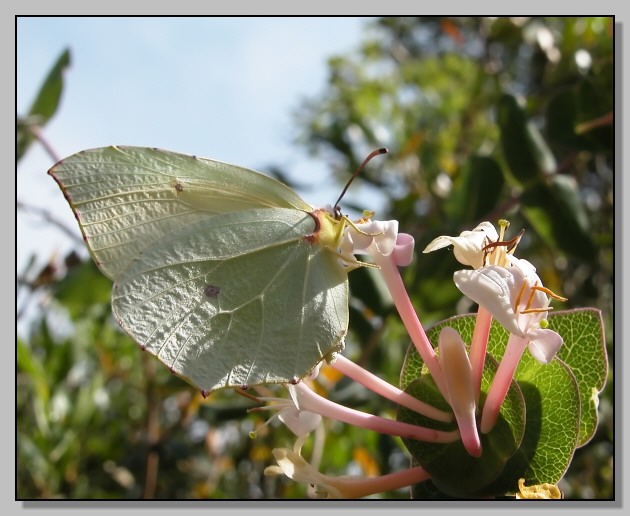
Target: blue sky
[{"x": 222, "y": 88}]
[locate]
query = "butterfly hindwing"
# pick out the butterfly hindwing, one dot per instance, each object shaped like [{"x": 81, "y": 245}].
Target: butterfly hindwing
[{"x": 244, "y": 300}]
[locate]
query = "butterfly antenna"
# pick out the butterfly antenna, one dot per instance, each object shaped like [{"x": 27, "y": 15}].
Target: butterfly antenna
[{"x": 372, "y": 154}]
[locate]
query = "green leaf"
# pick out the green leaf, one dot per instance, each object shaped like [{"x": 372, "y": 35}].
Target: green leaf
[
  {"x": 553, "y": 413},
  {"x": 561, "y": 398},
  {"x": 28, "y": 363},
  {"x": 556, "y": 212},
  {"x": 44, "y": 106},
  {"x": 477, "y": 190},
  {"x": 584, "y": 351},
  {"x": 471, "y": 476},
  {"x": 83, "y": 288},
  {"x": 47, "y": 100},
  {"x": 553, "y": 421},
  {"x": 561, "y": 119},
  {"x": 526, "y": 153}
]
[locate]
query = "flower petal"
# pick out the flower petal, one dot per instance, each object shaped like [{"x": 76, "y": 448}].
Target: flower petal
[
  {"x": 492, "y": 287},
  {"x": 461, "y": 394},
  {"x": 468, "y": 246},
  {"x": 293, "y": 465},
  {"x": 300, "y": 422},
  {"x": 544, "y": 344},
  {"x": 374, "y": 236},
  {"x": 385, "y": 241},
  {"x": 403, "y": 252}
]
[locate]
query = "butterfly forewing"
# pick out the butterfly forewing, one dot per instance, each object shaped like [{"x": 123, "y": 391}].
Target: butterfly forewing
[{"x": 127, "y": 198}]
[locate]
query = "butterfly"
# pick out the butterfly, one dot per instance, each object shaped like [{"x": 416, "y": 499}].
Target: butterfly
[{"x": 224, "y": 274}]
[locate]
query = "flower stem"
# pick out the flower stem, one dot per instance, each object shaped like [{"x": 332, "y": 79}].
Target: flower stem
[
  {"x": 409, "y": 317},
  {"x": 478, "y": 347},
  {"x": 360, "y": 487},
  {"x": 501, "y": 383},
  {"x": 313, "y": 402},
  {"x": 387, "y": 390}
]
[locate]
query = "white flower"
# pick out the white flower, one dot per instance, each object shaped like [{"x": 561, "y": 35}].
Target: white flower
[
  {"x": 468, "y": 247},
  {"x": 300, "y": 422},
  {"x": 293, "y": 465},
  {"x": 403, "y": 252},
  {"x": 516, "y": 298},
  {"x": 369, "y": 237}
]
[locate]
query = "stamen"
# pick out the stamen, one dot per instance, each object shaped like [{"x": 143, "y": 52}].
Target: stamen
[
  {"x": 518, "y": 298},
  {"x": 254, "y": 433},
  {"x": 248, "y": 395},
  {"x": 486, "y": 254},
  {"x": 532, "y": 293},
  {"x": 549, "y": 293},
  {"x": 536, "y": 310},
  {"x": 367, "y": 215},
  {"x": 510, "y": 244},
  {"x": 511, "y": 249}
]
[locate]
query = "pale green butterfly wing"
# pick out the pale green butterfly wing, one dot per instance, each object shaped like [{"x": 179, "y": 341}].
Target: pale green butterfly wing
[
  {"x": 127, "y": 198},
  {"x": 263, "y": 305},
  {"x": 214, "y": 269}
]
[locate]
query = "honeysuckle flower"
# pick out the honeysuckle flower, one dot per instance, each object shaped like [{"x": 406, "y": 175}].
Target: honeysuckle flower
[
  {"x": 477, "y": 248},
  {"x": 401, "y": 255},
  {"x": 310, "y": 401},
  {"x": 459, "y": 386},
  {"x": 387, "y": 390},
  {"x": 468, "y": 246},
  {"x": 480, "y": 246},
  {"x": 300, "y": 422},
  {"x": 369, "y": 236},
  {"x": 516, "y": 298},
  {"x": 293, "y": 465},
  {"x": 388, "y": 250},
  {"x": 403, "y": 251}
]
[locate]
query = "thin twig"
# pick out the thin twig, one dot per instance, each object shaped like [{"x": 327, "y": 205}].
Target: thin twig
[
  {"x": 37, "y": 133},
  {"x": 49, "y": 217},
  {"x": 153, "y": 430}
]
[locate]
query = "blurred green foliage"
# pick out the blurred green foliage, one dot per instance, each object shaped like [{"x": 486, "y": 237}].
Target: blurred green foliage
[{"x": 485, "y": 118}]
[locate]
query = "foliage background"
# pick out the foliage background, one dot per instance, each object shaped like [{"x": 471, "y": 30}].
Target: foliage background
[{"x": 484, "y": 118}]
